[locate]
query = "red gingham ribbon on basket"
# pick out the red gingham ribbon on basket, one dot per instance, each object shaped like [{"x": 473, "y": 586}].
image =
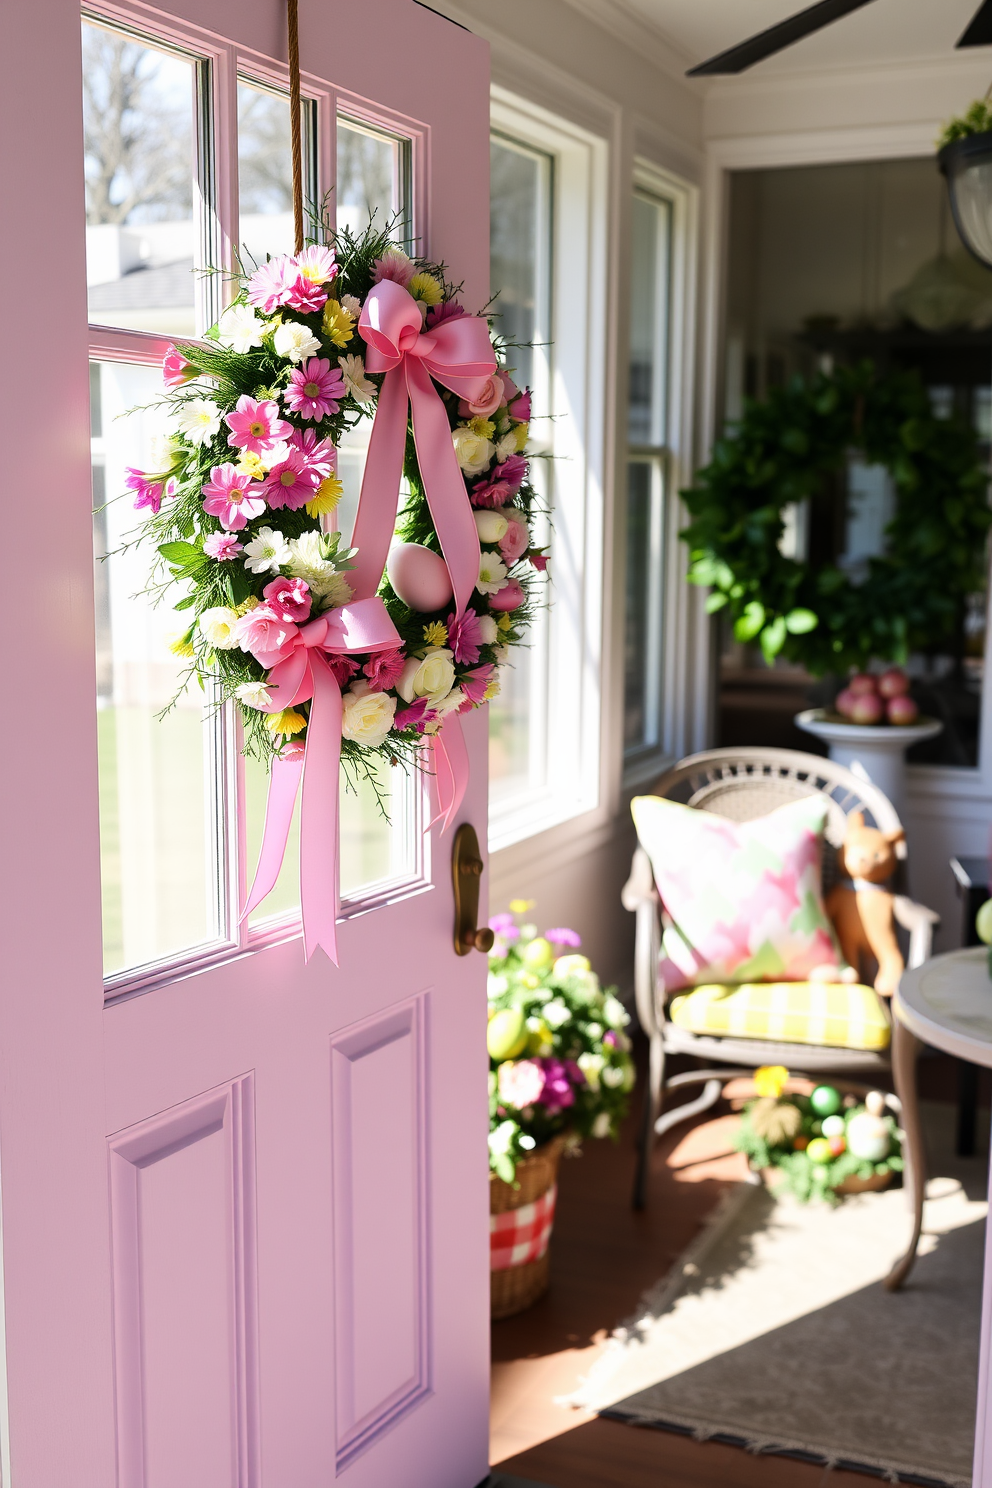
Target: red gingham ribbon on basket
[{"x": 521, "y": 1235}]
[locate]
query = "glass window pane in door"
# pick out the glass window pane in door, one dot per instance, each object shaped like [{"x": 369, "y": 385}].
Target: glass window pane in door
[
  {"x": 141, "y": 235},
  {"x": 637, "y": 617},
  {"x": 648, "y": 322},
  {"x": 265, "y": 174},
  {"x": 160, "y": 883},
  {"x": 519, "y": 258}
]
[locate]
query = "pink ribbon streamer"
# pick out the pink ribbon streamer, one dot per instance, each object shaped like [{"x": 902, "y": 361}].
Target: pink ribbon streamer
[
  {"x": 458, "y": 354},
  {"x": 449, "y": 754},
  {"x": 302, "y": 673}
]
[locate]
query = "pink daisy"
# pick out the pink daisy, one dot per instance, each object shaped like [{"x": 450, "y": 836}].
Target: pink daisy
[
  {"x": 416, "y": 716},
  {"x": 272, "y": 285},
  {"x": 316, "y": 263},
  {"x": 464, "y": 636},
  {"x": 447, "y": 310},
  {"x": 314, "y": 389},
  {"x": 289, "y": 599},
  {"x": 503, "y": 482},
  {"x": 395, "y": 265},
  {"x": 320, "y": 454},
  {"x": 539, "y": 560},
  {"x": 222, "y": 546},
  {"x": 342, "y": 668},
  {"x": 228, "y": 499},
  {"x": 256, "y": 427},
  {"x": 291, "y": 482},
  {"x": 148, "y": 492},
  {"x": 474, "y": 683},
  {"x": 384, "y": 669},
  {"x": 306, "y": 296}
]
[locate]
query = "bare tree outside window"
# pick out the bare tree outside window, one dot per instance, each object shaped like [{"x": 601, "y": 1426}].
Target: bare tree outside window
[{"x": 265, "y": 169}]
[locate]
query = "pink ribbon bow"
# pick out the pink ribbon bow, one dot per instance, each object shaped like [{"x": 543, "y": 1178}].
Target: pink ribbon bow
[
  {"x": 457, "y": 353},
  {"x": 300, "y": 672}
]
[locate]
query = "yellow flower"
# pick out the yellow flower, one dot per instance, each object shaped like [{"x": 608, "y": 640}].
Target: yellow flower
[
  {"x": 492, "y": 689},
  {"x": 287, "y": 722},
  {"x": 435, "y": 634},
  {"x": 182, "y": 645},
  {"x": 246, "y": 605},
  {"x": 250, "y": 465},
  {"x": 770, "y": 1080},
  {"x": 504, "y": 622},
  {"x": 328, "y": 495},
  {"x": 425, "y": 287},
  {"x": 337, "y": 323},
  {"x": 521, "y": 432},
  {"x": 485, "y": 428},
  {"x": 521, "y": 906}
]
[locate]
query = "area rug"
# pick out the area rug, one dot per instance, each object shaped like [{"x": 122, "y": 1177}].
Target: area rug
[{"x": 778, "y": 1335}]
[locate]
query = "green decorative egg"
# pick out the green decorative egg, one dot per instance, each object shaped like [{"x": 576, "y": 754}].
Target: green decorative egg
[
  {"x": 539, "y": 954},
  {"x": 507, "y": 1034},
  {"x": 825, "y": 1100},
  {"x": 819, "y": 1151},
  {"x": 983, "y": 922}
]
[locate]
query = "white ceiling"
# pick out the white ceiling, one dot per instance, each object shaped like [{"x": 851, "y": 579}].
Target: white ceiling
[{"x": 884, "y": 31}]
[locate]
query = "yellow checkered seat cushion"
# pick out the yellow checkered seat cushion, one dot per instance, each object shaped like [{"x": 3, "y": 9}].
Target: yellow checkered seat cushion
[{"x": 839, "y": 1015}]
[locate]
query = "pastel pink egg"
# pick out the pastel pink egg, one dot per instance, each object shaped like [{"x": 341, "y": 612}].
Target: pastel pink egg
[
  {"x": 420, "y": 577},
  {"x": 510, "y": 597}
]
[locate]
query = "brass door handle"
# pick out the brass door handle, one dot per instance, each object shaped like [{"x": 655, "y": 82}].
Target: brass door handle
[{"x": 466, "y": 871}]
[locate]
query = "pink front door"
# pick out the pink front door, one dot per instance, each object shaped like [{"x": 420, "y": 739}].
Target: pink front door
[{"x": 244, "y": 1233}]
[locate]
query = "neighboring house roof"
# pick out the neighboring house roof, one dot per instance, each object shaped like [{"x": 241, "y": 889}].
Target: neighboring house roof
[{"x": 164, "y": 286}]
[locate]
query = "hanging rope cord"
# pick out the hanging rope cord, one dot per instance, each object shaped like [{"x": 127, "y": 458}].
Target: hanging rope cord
[{"x": 295, "y": 115}]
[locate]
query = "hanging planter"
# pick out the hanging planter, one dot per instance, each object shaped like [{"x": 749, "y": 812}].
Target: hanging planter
[{"x": 966, "y": 163}]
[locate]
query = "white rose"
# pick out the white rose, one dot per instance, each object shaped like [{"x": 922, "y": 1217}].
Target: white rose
[
  {"x": 473, "y": 453},
  {"x": 217, "y": 628},
  {"x": 431, "y": 676},
  {"x": 492, "y": 526},
  {"x": 240, "y": 328},
  {"x": 252, "y": 694},
  {"x": 366, "y": 716},
  {"x": 295, "y": 341},
  {"x": 591, "y": 1065},
  {"x": 488, "y": 630}
]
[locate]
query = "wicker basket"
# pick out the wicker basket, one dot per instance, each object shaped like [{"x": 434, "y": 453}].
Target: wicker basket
[{"x": 517, "y": 1287}]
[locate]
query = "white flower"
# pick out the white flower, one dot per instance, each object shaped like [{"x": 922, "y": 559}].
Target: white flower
[
  {"x": 267, "y": 552},
  {"x": 217, "y": 627},
  {"x": 615, "y": 1013},
  {"x": 431, "y": 676},
  {"x": 198, "y": 420},
  {"x": 308, "y": 560},
  {"x": 501, "y": 654},
  {"x": 527, "y": 1142},
  {"x": 270, "y": 457},
  {"x": 253, "y": 694},
  {"x": 240, "y": 328},
  {"x": 472, "y": 452},
  {"x": 295, "y": 341},
  {"x": 366, "y": 716},
  {"x": 591, "y": 1066},
  {"x": 488, "y": 629},
  {"x": 556, "y": 1013},
  {"x": 507, "y": 446},
  {"x": 496, "y": 985},
  {"x": 353, "y": 372},
  {"x": 164, "y": 451},
  {"x": 501, "y": 1139},
  {"x": 613, "y": 1077},
  {"x": 594, "y": 1030},
  {"x": 352, "y": 305},
  {"x": 601, "y": 1126},
  {"x": 492, "y": 574},
  {"x": 492, "y": 526},
  {"x": 447, "y": 705}
]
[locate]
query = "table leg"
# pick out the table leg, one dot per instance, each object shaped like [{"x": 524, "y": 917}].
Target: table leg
[
  {"x": 967, "y": 1107},
  {"x": 905, "y": 1051}
]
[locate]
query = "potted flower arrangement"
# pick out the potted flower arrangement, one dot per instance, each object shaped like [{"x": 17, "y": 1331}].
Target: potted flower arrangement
[
  {"x": 821, "y": 1145},
  {"x": 560, "y": 1070}
]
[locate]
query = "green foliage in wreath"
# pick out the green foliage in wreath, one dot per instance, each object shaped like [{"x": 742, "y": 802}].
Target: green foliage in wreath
[{"x": 783, "y": 451}]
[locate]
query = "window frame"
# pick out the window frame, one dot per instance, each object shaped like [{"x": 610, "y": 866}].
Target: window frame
[
  {"x": 217, "y": 67},
  {"x": 673, "y": 458},
  {"x": 577, "y": 399}
]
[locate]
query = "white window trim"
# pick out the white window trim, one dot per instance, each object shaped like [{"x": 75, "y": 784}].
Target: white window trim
[
  {"x": 645, "y": 764},
  {"x": 578, "y": 401}
]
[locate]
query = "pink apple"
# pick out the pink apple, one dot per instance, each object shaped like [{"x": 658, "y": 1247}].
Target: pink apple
[
  {"x": 902, "y": 709},
  {"x": 844, "y": 702},
  {"x": 893, "y": 683},
  {"x": 867, "y": 708},
  {"x": 862, "y": 684}
]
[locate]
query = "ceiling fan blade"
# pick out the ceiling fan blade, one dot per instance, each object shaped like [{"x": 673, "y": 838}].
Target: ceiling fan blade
[
  {"x": 776, "y": 38},
  {"x": 979, "y": 31}
]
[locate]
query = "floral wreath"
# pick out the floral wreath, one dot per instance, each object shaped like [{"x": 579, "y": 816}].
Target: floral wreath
[
  {"x": 779, "y": 453},
  {"x": 344, "y": 653}
]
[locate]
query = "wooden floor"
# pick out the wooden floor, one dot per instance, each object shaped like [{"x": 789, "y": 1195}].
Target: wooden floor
[{"x": 604, "y": 1256}]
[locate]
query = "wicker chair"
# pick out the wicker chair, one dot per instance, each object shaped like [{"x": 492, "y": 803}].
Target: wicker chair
[{"x": 744, "y": 784}]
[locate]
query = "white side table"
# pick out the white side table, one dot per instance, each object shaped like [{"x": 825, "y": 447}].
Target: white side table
[
  {"x": 947, "y": 1003},
  {"x": 880, "y": 750}
]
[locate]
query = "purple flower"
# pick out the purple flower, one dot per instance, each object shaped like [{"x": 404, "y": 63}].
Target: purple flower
[
  {"x": 557, "y": 1094},
  {"x": 447, "y": 310},
  {"x": 611, "y": 1040},
  {"x": 563, "y": 938},
  {"x": 148, "y": 492},
  {"x": 416, "y": 716},
  {"x": 464, "y": 636},
  {"x": 505, "y": 927}
]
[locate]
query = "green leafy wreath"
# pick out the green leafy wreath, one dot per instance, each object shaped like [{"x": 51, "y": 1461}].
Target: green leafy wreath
[{"x": 783, "y": 451}]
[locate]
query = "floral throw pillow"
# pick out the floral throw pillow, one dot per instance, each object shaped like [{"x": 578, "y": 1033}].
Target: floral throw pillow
[{"x": 743, "y": 899}]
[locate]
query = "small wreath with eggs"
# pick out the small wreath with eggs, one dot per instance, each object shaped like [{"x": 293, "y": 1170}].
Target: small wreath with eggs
[{"x": 779, "y": 454}]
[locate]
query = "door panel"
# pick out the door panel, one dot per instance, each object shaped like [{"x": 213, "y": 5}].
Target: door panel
[{"x": 244, "y": 1206}]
